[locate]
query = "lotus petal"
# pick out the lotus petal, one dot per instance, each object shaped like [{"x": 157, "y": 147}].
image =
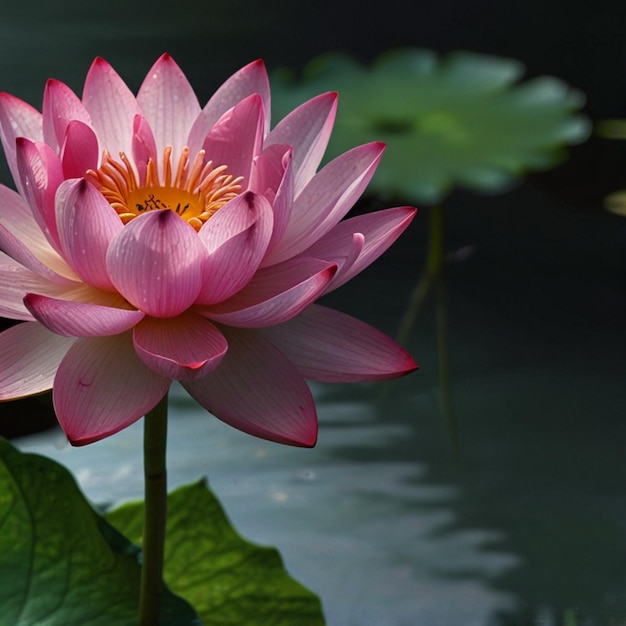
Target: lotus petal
[
  {"x": 102, "y": 386},
  {"x": 275, "y": 294},
  {"x": 237, "y": 137},
  {"x": 156, "y": 263},
  {"x": 80, "y": 319},
  {"x": 378, "y": 231},
  {"x": 326, "y": 199},
  {"x": 61, "y": 106},
  {"x": 87, "y": 225},
  {"x": 111, "y": 106},
  {"x": 168, "y": 103},
  {"x": 258, "y": 390},
  {"x": 236, "y": 239},
  {"x": 251, "y": 79},
  {"x": 308, "y": 129},
  {"x": 186, "y": 347},
  {"x": 29, "y": 357},
  {"x": 330, "y": 346}
]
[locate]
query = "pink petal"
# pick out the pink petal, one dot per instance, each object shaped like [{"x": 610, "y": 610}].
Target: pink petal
[
  {"x": 55, "y": 269},
  {"x": 16, "y": 281},
  {"x": 330, "y": 346},
  {"x": 156, "y": 263},
  {"x": 111, "y": 106},
  {"x": 256, "y": 389},
  {"x": 87, "y": 224},
  {"x": 307, "y": 129},
  {"x": 29, "y": 357},
  {"x": 40, "y": 174},
  {"x": 17, "y": 119},
  {"x": 11, "y": 291},
  {"x": 236, "y": 238},
  {"x": 378, "y": 230},
  {"x": 252, "y": 79},
  {"x": 102, "y": 387},
  {"x": 22, "y": 238},
  {"x": 60, "y": 106},
  {"x": 237, "y": 137},
  {"x": 268, "y": 169},
  {"x": 168, "y": 103},
  {"x": 80, "y": 150},
  {"x": 13, "y": 208},
  {"x": 326, "y": 199},
  {"x": 275, "y": 294},
  {"x": 352, "y": 250},
  {"x": 80, "y": 319},
  {"x": 144, "y": 146},
  {"x": 272, "y": 176},
  {"x": 186, "y": 347}
]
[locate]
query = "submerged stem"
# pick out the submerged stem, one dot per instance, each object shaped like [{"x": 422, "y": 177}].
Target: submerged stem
[
  {"x": 155, "y": 511},
  {"x": 433, "y": 276},
  {"x": 433, "y": 270},
  {"x": 436, "y": 268}
]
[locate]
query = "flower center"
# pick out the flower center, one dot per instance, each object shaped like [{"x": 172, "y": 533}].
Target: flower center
[{"x": 195, "y": 190}]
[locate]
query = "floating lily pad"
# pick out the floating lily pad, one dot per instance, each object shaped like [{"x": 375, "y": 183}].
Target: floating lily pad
[
  {"x": 611, "y": 129},
  {"x": 616, "y": 203},
  {"x": 464, "y": 119},
  {"x": 60, "y": 563},
  {"x": 227, "y": 579}
]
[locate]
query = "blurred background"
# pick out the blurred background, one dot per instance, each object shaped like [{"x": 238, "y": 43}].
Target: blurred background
[{"x": 523, "y": 520}]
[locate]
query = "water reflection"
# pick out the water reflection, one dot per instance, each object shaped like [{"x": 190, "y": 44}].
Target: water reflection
[
  {"x": 525, "y": 528},
  {"x": 373, "y": 536}
]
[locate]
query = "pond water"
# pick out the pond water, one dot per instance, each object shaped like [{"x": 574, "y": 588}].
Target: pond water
[{"x": 522, "y": 525}]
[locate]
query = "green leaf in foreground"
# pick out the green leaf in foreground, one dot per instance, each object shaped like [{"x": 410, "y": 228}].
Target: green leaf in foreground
[
  {"x": 463, "y": 119},
  {"x": 227, "y": 579},
  {"x": 60, "y": 562}
]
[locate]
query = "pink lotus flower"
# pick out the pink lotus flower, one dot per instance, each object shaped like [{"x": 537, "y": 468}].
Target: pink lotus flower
[{"x": 153, "y": 240}]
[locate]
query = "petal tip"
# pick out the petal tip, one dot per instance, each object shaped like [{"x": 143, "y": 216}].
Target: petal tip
[
  {"x": 307, "y": 439},
  {"x": 99, "y": 62},
  {"x": 256, "y": 65},
  {"x": 309, "y": 442},
  {"x": 82, "y": 441}
]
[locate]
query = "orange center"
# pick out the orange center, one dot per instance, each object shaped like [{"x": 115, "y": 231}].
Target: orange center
[{"x": 195, "y": 191}]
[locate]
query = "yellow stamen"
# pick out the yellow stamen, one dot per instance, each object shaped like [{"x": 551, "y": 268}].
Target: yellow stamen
[{"x": 194, "y": 191}]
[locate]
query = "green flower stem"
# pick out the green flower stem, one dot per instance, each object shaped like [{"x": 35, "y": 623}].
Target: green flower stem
[
  {"x": 445, "y": 392},
  {"x": 155, "y": 511},
  {"x": 433, "y": 276},
  {"x": 432, "y": 272}
]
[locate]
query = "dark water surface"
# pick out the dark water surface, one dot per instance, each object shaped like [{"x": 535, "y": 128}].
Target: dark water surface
[
  {"x": 381, "y": 519},
  {"x": 526, "y": 524}
]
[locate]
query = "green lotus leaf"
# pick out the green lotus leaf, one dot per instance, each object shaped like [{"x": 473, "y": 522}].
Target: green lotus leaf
[
  {"x": 61, "y": 564},
  {"x": 463, "y": 119},
  {"x": 227, "y": 579}
]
